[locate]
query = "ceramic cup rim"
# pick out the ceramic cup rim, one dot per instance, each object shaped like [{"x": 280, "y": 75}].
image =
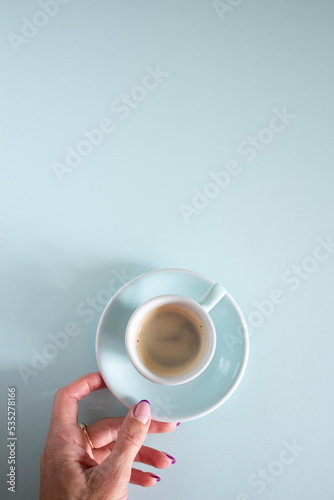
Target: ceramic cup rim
[{"x": 143, "y": 310}]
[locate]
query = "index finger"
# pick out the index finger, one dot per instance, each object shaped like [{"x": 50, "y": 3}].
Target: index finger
[{"x": 65, "y": 405}]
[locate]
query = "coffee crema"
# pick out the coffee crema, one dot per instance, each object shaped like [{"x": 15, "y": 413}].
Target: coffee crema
[{"x": 171, "y": 340}]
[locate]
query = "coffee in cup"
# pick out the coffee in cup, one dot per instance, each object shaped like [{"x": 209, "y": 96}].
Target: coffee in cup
[{"x": 171, "y": 340}]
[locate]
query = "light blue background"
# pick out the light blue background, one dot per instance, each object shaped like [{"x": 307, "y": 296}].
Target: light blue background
[{"x": 119, "y": 211}]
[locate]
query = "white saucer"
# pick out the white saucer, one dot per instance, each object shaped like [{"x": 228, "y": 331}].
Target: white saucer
[{"x": 187, "y": 401}]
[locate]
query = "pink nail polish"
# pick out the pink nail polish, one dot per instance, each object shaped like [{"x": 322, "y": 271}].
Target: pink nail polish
[{"x": 142, "y": 411}]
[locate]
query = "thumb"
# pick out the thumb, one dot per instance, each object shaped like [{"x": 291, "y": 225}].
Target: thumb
[
  {"x": 130, "y": 439},
  {"x": 132, "y": 434}
]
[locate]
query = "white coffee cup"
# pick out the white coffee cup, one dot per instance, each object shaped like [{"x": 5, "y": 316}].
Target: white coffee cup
[{"x": 199, "y": 309}]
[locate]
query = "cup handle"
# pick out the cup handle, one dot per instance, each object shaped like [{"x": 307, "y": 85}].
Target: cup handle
[{"x": 212, "y": 297}]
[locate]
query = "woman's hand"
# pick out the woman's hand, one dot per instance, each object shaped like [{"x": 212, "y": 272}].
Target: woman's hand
[{"x": 71, "y": 470}]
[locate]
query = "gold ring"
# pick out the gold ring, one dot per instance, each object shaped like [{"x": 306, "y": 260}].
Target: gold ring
[{"x": 89, "y": 441}]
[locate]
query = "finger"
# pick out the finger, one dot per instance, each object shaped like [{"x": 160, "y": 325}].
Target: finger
[
  {"x": 155, "y": 458},
  {"x": 65, "y": 406},
  {"x": 130, "y": 439},
  {"x": 145, "y": 479},
  {"x": 146, "y": 455},
  {"x": 105, "y": 430},
  {"x": 161, "y": 427}
]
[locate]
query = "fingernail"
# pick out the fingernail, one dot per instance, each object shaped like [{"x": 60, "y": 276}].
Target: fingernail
[
  {"x": 156, "y": 477},
  {"x": 178, "y": 424},
  {"x": 172, "y": 458},
  {"x": 142, "y": 411}
]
